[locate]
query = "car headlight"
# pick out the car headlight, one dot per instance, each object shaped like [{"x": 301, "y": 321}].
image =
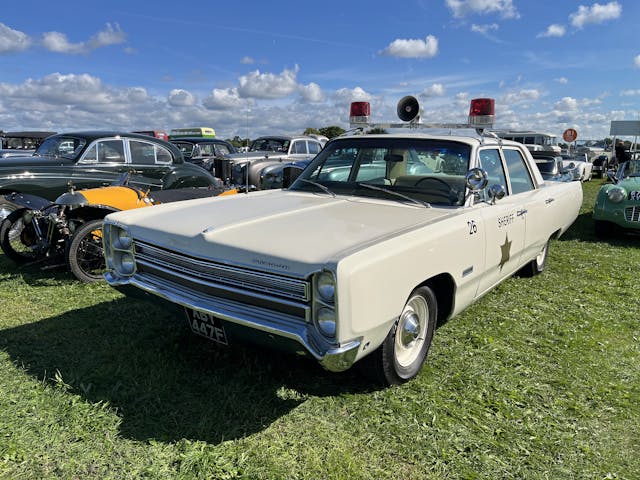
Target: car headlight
[
  {"x": 122, "y": 239},
  {"x": 326, "y": 321},
  {"x": 119, "y": 250},
  {"x": 326, "y": 286},
  {"x": 616, "y": 194}
]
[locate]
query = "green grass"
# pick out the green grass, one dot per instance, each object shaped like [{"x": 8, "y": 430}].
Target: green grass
[{"x": 538, "y": 380}]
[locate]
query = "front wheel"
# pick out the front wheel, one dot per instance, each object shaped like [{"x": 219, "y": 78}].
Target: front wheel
[
  {"x": 19, "y": 239},
  {"x": 404, "y": 350},
  {"x": 85, "y": 255}
]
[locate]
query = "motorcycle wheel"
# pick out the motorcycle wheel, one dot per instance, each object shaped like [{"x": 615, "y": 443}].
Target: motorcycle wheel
[
  {"x": 85, "y": 255},
  {"x": 18, "y": 238}
]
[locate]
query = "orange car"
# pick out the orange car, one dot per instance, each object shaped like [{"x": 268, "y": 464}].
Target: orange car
[{"x": 69, "y": 230}]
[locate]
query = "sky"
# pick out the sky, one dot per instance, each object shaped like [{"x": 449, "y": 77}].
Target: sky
[{"x": 256, "y": 68}]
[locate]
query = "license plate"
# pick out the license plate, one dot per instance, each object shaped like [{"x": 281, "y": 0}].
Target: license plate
[{"x": 206, "y": 325}]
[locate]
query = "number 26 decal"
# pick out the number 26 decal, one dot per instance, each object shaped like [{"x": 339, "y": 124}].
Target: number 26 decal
[{"x": 473, "y": 227}]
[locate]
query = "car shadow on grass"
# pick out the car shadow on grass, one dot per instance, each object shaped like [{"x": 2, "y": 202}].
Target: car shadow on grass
[{"x": 164, "y": 382}]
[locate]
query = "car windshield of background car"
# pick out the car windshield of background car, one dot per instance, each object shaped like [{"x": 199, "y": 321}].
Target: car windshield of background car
[
  {"x": 66, "y": 147},
  {"x": 429, "y": 170}
]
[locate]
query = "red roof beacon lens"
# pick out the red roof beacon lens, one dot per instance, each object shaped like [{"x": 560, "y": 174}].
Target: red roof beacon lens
[
  {"x": 482, "y": 111},
  {"x": 360, "y": 112}
]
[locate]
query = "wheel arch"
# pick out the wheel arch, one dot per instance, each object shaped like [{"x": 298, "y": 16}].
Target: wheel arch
[
  {"x": 92, "y": 212},
  {"x": 444, "y": 288}
]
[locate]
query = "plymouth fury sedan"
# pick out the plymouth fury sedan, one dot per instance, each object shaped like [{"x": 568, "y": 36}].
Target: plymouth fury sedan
[{"x": 378, "y": 240}]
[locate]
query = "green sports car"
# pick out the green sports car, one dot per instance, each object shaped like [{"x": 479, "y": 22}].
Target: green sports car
[{"x": 618, "y": 203}]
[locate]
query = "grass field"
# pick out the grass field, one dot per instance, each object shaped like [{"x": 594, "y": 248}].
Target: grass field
[{"x": 538, "y": 380}]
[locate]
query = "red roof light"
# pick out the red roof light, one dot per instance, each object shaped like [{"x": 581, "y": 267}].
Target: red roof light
[
  {"x": 482, "y": 111},
  {"x": 360, "y": 112}
]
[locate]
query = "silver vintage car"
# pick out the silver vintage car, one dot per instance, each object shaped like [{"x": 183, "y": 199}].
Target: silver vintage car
[{"x": 248, "y": 167}]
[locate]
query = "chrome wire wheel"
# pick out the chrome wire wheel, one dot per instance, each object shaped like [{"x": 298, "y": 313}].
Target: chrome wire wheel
[{"x": 411, "y": 331}]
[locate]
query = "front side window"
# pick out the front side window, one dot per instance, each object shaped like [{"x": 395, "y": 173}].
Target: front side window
[
  {"x": 105, "y": 151},
  {"x": 299, "y": 147},
  {"x": 518, "y": 172},
  {"x": 426, "y": 170}
]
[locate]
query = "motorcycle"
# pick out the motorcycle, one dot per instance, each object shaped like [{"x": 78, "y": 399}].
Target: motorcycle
[{"x": 68, "y": 231}]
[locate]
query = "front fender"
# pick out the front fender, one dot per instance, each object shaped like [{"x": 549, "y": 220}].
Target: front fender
[{"x": 26, "y": 200}]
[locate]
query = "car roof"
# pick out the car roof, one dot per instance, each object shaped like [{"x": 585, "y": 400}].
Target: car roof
[
  {"x": 198, "y": 140},
  {"x": 473, "y": 140},
  {"x": 92, "y": 135}
]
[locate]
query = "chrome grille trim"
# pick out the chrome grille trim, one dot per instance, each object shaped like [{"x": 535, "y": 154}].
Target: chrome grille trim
[
  {"x": 209, "y": 272},
  {"x": 632, "y": 214}
]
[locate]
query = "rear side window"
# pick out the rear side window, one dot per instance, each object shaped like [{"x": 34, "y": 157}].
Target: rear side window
[
  {"x": 518, "y": 171},
  {"x": 313, "y": 147},
  {"x": 143, "y": 153}
]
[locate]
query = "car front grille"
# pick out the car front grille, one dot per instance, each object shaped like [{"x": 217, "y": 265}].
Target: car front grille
[
  {"x": 217, "y": 275},
  {"x": 632, "y": 214}
]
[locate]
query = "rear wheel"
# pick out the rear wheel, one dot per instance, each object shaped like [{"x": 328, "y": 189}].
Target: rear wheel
[
  {"x": 404, "y": 350},
  {"x": 18, "y": 237},
  {"x": 85, "y": 255},
  {"x": 536, "y": 266}
]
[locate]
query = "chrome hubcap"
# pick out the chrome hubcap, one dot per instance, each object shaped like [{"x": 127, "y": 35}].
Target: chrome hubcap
[{"x": 411, "y": 331}]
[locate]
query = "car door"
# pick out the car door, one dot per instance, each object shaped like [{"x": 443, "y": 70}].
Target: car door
[
  {"x": 150, "y": 162},
  {"x": 504, "y": 223},
  {"x": 101, "y": 164}
]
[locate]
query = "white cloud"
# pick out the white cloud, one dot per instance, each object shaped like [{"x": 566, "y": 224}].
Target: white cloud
[
  {"x": 58, "y": 42},
  {"x": 247, "y": 61},
  {"x": 554, "y": 30},
  {"x": 311, "y": 93},
  {"x": 629, "y": 93},
  {"x": 268, "y": 85},
  {"x": 595, "y": 14},
  {"x": 12, "y": 40},
  {"x": 356, "y": 94},
  {"x": 181, "y": 98},
  {"x": 224, "y": 99},
  {"x": 562, "y": 80},
  {"x": 435, "y": 90},
  {"x": 636, "y": 61},
  {"x": 566, "y": 104},
  {"x": 412, "y": 48},
  {"x": 462, "y": 8},
  {"x": 524, "y": 95},
  {"x": 484, "y": 29}
]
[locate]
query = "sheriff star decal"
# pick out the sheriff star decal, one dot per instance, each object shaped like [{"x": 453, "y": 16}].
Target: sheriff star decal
[{"x": 505, "y": 250}]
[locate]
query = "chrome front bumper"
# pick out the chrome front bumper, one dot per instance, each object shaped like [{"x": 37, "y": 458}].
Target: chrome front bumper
[{"x": 334, "y": 358}]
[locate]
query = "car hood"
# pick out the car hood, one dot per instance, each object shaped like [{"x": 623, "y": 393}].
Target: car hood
[
  {"x": 282, "y": 231},
  {"x": 26, "y": 161}
]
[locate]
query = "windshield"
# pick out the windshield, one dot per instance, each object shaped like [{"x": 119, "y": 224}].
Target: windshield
[
  {"x": 270, "y": 145},
  {"x": 66, "y": 147},
  {"x": 427, "y": 170},
  {"x": 630, "y": 168}
]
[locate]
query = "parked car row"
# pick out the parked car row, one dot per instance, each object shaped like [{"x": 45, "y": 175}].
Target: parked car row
[{"x": 377, "y": 239}]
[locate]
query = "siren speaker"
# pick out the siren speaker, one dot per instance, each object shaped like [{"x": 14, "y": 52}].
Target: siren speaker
[{"x": 408, "y": 108}]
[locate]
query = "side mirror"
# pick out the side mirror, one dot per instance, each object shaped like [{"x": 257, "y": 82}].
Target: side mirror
[
  {"x": 476, "y": 179},
  {"x": 393, "y": 158},
  {"x": 496, "y": 192}
]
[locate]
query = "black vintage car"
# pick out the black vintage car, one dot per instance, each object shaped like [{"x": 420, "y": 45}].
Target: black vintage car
[
  {"x": 204, "y": 152},
  {"x": 94, "y": 159}
]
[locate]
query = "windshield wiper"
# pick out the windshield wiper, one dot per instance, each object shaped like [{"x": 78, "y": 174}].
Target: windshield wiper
[
  {"x": 392, "y": 192},
  {"x": 319, "y": 185}
]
